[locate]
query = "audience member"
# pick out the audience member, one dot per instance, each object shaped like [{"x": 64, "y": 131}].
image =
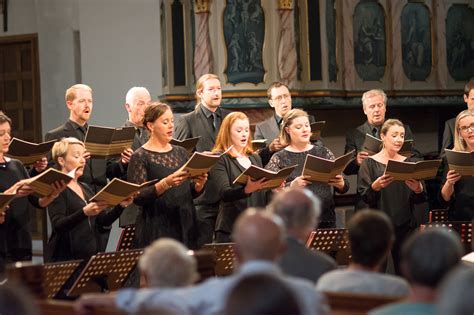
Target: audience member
[
  {"x": 456, "y": 296},
  {"x": 300, "y": 210},
  {"x": 259, "y": 242},
  {"x": 166, "y": 263},
  {"x": 427, "y": 256},
  {"x": 16, "y": 300},
  {"x": 261, "y": 294},
  {"x": 370, "y": 238}
]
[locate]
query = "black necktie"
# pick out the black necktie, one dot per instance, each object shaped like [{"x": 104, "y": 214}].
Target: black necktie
[
  {"x": 214, "y": 120},
  {"x": 375, "y": 132}
]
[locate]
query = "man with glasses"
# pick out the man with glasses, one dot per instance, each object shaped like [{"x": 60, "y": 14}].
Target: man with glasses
[{"x": 448, "y": 134}]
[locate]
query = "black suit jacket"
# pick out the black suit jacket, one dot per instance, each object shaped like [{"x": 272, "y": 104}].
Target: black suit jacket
[
  {"x": 233, "y": 199},
  {"x": 94, "y": 172},
  {"x": 448, "y": 136},
  {"x": 192, "y": 125},
  {"x": 299, "y": 261}
]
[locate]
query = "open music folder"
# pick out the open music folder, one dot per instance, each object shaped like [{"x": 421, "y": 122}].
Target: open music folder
[
  {"x": 106, "y": 142},
  {"x": 29, "y": 152},
  {"x": 373, "y": 145},
  {"x": 41, "y": 183},
  {"x": 118, "y": 190},
  {"x": 200, "y": 163},
  {"x": 316, "y": 129},
  {"x": 189, "y": 144},
  {"x": 322, "y": 170},
  {"x": 259, "y": 144},
  {"x": 461, "y": 162},
  {"x": 420, "y": 170},
  {"x": 256, "y": 173}
]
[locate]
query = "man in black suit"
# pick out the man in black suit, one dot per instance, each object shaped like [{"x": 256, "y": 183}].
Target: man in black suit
[
  {"x": 205, "y": 122},
  {"x": 79, "y": 103},
  {"x": 136, "y": 101},
  {"x": 374, "y": 104},
  {"x": 279, "y": 98},
  {"x": 448, "y": 134},
  {"x": 300, "y": 211}
]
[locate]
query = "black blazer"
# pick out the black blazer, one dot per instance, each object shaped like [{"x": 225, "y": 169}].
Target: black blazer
[
  {"x": 233, "y": 199},
  {"x": 195, "y": 124},
  {"x": 448, "y": 136},
  {"x": 75, "y": 235},
  {"x": 192, "y": 125},
  {"x": 355, "y": 140},
  {"x": 94, "y": 172},
  {"x": 299, "y": 261}
]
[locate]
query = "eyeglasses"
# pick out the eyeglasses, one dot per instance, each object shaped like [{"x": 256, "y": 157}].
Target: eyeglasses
[
  {"x": 466, "y": 128},
  {"x": 279, "y": 98}
]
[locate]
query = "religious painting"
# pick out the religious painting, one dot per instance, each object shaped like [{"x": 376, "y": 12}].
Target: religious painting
[
  {"x": 369, "y": 40},
  {"x": 331, "y": 37},
  {"x": 244, "y": 31},
  {"x": 460, "y": 42},
  {"x": 416, "y": 41}
]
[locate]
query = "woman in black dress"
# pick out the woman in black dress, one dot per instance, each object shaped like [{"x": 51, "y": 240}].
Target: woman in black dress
[
  {"x": 295, "y": 133},
  {"x": 15, "y": 236},
  {"x": 77, "y": 224},
  {"x": 399, "y": 200},
  {"x": 457, "y": 193},
  {"x": 167, "y": 208},
  {"x": 235, "y": 133}
]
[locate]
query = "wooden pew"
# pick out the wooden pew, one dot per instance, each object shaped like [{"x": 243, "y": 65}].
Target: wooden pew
[
  {"x": 57, "y": 307},
  {"x": 356, "y": 304}
]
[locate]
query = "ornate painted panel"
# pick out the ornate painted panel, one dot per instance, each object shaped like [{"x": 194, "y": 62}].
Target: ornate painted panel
[
  {"x": 331, "y": 37},
  {"x": 416, "y": 41},
  {"x": 369, "y": 40},
  {"x": 460, "y": 41},
  {"x": 244, "y": 31}
]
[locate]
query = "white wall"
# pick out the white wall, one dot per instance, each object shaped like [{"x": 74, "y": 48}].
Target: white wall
[
  {"x": 21, "y": 18},
  {"x": 120, "y": 48}
]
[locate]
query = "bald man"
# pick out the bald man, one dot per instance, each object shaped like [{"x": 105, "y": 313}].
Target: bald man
[{"x": 259, "y": 241}]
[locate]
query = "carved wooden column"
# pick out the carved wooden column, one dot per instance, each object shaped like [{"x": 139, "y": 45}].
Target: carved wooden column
[
  {"x": 203, "y": 61},
  {"x": 287, "y": 58}
]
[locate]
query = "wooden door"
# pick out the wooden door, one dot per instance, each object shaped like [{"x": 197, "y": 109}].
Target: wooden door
[{"x": 19, "y": 85}]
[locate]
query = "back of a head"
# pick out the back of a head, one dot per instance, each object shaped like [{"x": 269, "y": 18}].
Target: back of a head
[
  {"x": 370, "y": 237},
  {"x": 166, "y": 263},
  {"x": 261, "y": 294},
  {"x": 16, "y": 300},
  {"x": 299, "y": 209},
  {"x": 456, "y": 294},
  {"x": 258, "y": 235},
  {"x": 427, "y": 256}
]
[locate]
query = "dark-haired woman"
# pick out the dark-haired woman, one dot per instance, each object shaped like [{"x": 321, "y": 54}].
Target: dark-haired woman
[{"x": 167, "y": 208}]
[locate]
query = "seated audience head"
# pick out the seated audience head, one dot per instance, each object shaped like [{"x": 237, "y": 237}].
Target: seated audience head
[
  {"x": 79, "y": 103},
  {"x": 208, "y": 91},
  {"x": 279, "y": 98},
  {"x": 5, "y": 133},
  {"x": 392, "y": 134},
  {"x": 456, "y": 294},
  {"x": 370, "y": 237},
  {"x": 234, "y": 131},
  {"x": 469, "y": 94},
  {"x": 136, "y": 101},
  {"x": 16, "y": 300},
  {"x": 258, "y": 235},
  {"x": 166, "y": 263},
  {"x": 464, "y": 126},
  {"x": 299, "y": 209},
  {"x": 374, "y": 104},
  {"x": 159, "y": 121},
  {"x": 68, "y": 153},
  {"x": 261, "y": 294},
  {"x": 295, "y": 127},
  {"x": 427, "y": 256}
]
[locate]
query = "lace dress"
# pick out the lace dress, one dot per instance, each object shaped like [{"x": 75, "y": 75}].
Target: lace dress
[
  {"x": 171, "y": 214},
  {"x": 285, "y": 158}
]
